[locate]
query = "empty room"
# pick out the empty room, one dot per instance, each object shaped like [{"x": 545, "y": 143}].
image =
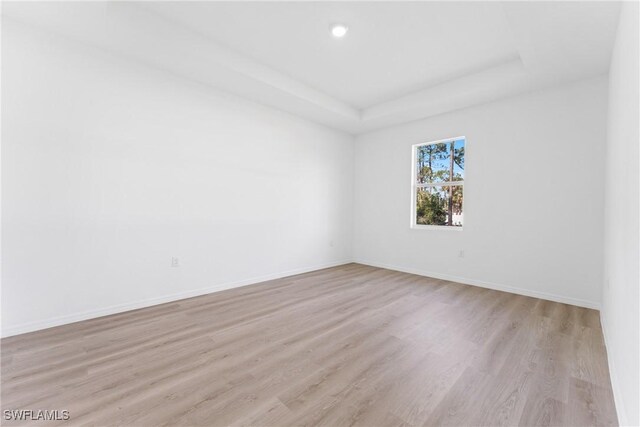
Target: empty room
[{"x": 320, "y": 213}]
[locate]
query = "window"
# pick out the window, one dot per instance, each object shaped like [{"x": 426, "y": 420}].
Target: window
[{"x": 438, "y": 184}]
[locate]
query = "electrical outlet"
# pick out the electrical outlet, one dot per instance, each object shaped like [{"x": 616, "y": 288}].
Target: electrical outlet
[
  {"x": 461, "y": 254},
  {"x": 175, "y": 262},
  {"x": 331, "y": 243}
]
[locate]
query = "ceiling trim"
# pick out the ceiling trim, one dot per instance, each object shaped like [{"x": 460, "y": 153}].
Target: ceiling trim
[{"x": 132, "y": 31}]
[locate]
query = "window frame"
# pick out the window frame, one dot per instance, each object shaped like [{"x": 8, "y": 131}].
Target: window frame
[{"x": 415, "y": 186}]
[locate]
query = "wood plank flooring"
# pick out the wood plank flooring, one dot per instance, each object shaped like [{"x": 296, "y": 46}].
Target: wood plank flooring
[{"x": 351, "y": 345}]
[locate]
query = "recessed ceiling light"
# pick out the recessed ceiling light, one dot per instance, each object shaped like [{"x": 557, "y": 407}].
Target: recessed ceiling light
[{"x": 339, "y": 30}]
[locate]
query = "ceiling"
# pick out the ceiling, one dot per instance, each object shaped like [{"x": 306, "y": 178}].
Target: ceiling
[
  {"x": 392, "y": 49},
  {"x": 400, "y": 61}
]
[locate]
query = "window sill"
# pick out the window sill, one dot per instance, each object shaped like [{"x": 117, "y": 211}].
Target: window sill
[{"x": 436, "y": 227}]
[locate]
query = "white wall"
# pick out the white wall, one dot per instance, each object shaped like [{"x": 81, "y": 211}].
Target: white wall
[
  {"x": 538, "y": 157},
  {"x": 620, "y": 307},
  {"x": 110, "y": 168}
]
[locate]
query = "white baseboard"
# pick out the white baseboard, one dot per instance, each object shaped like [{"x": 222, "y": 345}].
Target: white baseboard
[
  {"x": 613, "y": 374},
  {"x": 514, "y": 290},
  {"x": 106, "y": 311},
  {"x": 114, "y": 309}
]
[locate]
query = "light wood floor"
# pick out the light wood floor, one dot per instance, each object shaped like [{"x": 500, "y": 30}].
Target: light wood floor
[{"x": 342, "y": 346}]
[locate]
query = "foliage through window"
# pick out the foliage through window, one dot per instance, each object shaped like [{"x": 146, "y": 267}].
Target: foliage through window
[{"x": 438, "y": 183}]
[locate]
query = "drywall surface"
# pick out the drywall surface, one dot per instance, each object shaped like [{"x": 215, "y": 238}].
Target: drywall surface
[
  {"x": 110, "y": 169},
  {"x": 534, "y": 186},
  {"x": 620, "y": 319}
]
